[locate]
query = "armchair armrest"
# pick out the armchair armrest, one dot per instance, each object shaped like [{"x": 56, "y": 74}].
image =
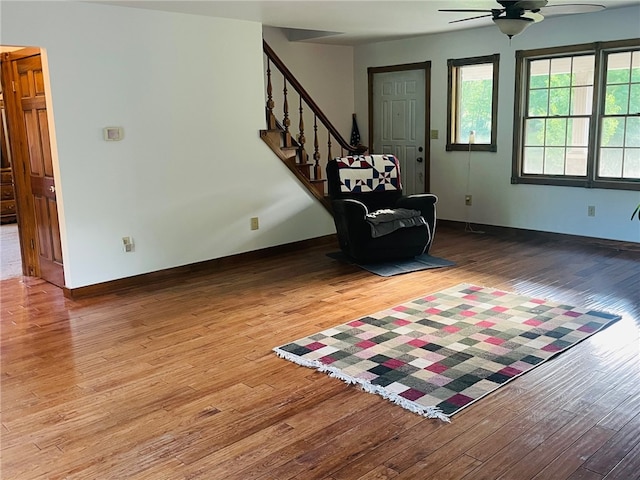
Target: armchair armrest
[
  {"x": 350, "y": 207},
  {"x": 351, "y": 225},
  {"x": 424, "y": 202}
]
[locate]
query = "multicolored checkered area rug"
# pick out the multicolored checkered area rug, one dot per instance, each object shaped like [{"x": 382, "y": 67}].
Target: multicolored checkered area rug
[{"x": 440, "y": 353}]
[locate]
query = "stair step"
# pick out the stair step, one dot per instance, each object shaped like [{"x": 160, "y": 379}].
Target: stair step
[
  {"x": 272, "y": 123},
  {"x": 287, "y": 140},
  {"x": 319, "y": 185},
  {"x": 273, "y": 138},
  {"x": 291, "y": 153},
  {"x": 305, "y": 169}
]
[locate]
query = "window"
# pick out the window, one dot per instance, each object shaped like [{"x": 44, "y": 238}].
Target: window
[
  {"x": 577, "y": 116},
  {"x": 472, "y": 103},
  {"x": 619, "y": 142}
]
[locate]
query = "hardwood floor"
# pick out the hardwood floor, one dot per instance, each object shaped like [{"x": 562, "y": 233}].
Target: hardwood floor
[{"x": 178, "y": 381}]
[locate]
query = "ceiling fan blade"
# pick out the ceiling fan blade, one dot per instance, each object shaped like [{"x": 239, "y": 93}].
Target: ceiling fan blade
[
  {"x": 571, "y": 8},
  {"x": 470, "y": 18},
  {"x": 463, "y": 10}
]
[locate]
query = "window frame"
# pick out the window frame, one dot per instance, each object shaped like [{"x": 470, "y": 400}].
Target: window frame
[
  {"x": 452, "y": 82},
  {"x": 600, "y": 50}
]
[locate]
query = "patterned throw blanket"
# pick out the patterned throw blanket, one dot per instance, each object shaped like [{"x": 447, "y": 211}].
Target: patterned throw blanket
[
  {"x": 369, "y": 173},
  {"x": 385, "y": 221}
]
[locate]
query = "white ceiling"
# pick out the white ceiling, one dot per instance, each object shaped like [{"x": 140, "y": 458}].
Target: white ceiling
[{"x": 350, "y": 22}]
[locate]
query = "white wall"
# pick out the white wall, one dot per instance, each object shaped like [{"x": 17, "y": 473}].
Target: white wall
[
  {"x": 495, "y": 200},
  {"x": 191, "y": 170}
]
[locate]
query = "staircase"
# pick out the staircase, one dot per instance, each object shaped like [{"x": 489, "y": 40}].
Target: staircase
[{"x": 291, "y": 148}]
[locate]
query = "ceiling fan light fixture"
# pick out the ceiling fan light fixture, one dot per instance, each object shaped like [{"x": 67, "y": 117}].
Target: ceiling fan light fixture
[{"x": 512, "y": 26}]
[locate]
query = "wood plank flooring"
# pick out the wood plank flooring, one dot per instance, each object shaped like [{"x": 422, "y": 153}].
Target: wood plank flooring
[{"x": 177, "y": 380}]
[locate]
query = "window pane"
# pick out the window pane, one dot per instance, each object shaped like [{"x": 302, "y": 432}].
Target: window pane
[
  {"x": 539, "y": 76},
  {"x": 534, "y": 135},
  {"x": 632, "y": 137},
  {"x": 583, "y": 70},
  {"x": 577, "y": 161},
  {"x": 538, "y": 103},
  {"x": 632, "y": 163},
  {"x": 554, "y": 161},
  {"x": 533, "y": 160},
  {"x": 578, "y": 132},
  {"x": 611, "y": 162},
  {"x": 581, "y": 100},
  {"x": 635, "y": 72},
  {"x": 612, "y": 132},
  {"x": 475, "y": 101},
  {"x": 618, "y": 67},
  {"x": 556, "y": 131},
  {"x": 559, "y": 101},
  {"x": 617, "y": 100},
  {"x": 634, "y": 101},
  {"x": 560, "y": 72}
]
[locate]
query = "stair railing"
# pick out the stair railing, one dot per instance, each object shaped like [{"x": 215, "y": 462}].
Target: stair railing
[{"x": 319, "y": 120}]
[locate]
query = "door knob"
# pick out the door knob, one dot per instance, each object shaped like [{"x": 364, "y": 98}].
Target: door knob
[
  {"x": 52, "y": 189},
  {"x": 419, "y": 159}
]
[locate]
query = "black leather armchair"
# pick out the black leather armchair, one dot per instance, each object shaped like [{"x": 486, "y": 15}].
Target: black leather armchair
[{"x": 364, "y": 184}]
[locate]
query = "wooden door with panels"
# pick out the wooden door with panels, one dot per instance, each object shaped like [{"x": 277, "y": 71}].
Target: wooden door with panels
[
  {"x": 25, "y": 102},
  {"x": 399, "y": 120}
]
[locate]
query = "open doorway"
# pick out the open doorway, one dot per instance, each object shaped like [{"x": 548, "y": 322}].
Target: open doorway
[{"x": 25, "y": 100}]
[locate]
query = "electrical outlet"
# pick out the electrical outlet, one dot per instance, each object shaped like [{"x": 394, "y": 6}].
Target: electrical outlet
[
  {"x": 254, "y": 223},
  {"x": 591, "y": 211},
  {"x": 468, "y": 200}
]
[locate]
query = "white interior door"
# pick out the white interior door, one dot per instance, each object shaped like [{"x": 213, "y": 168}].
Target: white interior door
[{"x": 399, "y": 123}]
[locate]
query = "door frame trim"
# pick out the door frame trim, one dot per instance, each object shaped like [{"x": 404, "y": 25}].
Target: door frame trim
[
  {"x": 25, "y": 214},
  {"x": 20, "y": 155},
  {"x": 426, "y": 66}
]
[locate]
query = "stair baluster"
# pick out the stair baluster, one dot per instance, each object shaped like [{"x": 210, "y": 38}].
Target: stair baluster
[
  {"x": 329, "y": 157},
  {"x": 302, "y": 153},
  {"x": 317, "y": 171},
  {"x": 271, "y": 119},
  {"x": 285, "y": 121}
]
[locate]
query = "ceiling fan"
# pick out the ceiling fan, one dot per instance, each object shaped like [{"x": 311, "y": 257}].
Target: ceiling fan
[{"x": 516, "y": 15}]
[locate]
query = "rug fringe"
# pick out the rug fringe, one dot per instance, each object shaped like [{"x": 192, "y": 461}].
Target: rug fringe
[{"x": 429, "y": 412}]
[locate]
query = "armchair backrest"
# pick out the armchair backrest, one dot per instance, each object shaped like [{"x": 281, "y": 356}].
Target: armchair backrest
[{"x": 372, "y": 179}]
